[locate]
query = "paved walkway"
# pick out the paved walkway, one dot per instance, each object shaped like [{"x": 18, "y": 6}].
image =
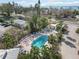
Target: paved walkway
[{"x": 69, "y": 46}]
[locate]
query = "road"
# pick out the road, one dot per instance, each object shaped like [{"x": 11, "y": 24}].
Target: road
[{"x": 69, "y": 47}]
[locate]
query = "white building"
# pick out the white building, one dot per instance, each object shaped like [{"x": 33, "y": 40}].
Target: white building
[
  {"x": 19, "y": 16},
  {"x": 77, "y": 17},
  {"x": 9, "y": 53},
  {"x": 20, "y": 23},
  {"x": 52, "y": 21},
  {"x": 3, "y": 30}
]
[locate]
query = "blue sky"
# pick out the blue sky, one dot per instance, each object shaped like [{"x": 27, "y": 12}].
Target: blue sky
[{"x": 45, "y": 2}]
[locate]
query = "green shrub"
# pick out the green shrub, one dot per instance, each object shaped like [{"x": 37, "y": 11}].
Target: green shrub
[
  {"x": 65, "y": 29},
  {"x": 77, "y": 31},
  {"x": 24, "y": 56},
  {"x": 1, "y": 20},
  {"x": 8, "y": 41},
  {"x": 49, "y": 17},
  {"x": 59, "y": 26}
]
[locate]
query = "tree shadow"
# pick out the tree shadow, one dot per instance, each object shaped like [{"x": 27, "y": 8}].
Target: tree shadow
[
  {"x": 71, "y": 39},
  {"x": 70, "y": 44}
]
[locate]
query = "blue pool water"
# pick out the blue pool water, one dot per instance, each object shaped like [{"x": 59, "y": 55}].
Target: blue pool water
[{"x": 40, "y": 41}]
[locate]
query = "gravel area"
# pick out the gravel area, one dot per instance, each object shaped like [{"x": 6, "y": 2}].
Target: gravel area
[{"x": 69, "y": 47}]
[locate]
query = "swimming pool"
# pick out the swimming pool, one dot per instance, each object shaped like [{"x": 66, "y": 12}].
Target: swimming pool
[{"x": 40, "y": 41}]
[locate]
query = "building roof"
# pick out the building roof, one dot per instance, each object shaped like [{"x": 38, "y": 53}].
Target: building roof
[
  {"x": 77, "y": 16},
  {"x": 2, "y": 30},
  {"x": 9, "y": 53},
  {"x": 21, "y": 15},
  {"x": 21, "y": 22},
  {"x": 2, "y": 53}
]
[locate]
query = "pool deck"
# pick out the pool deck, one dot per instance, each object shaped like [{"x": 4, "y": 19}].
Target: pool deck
[{"x": 27, "y": 41}]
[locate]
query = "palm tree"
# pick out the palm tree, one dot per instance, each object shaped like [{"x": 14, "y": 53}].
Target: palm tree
[
  {"x": 54, "y": 49},
  {"x": 42, "y": 23},
  {"x": 33, "y": 24},
  {"x": 52, "y": 39},
  {"x": 37, "y": 7},
  {"x": 35, "y": 53},
  {"x": 59, "y": 36},
  {"x": 50, "y": 53},
  {"x": 59, "y": 26},
  {"x": 45, "y": 53}
]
